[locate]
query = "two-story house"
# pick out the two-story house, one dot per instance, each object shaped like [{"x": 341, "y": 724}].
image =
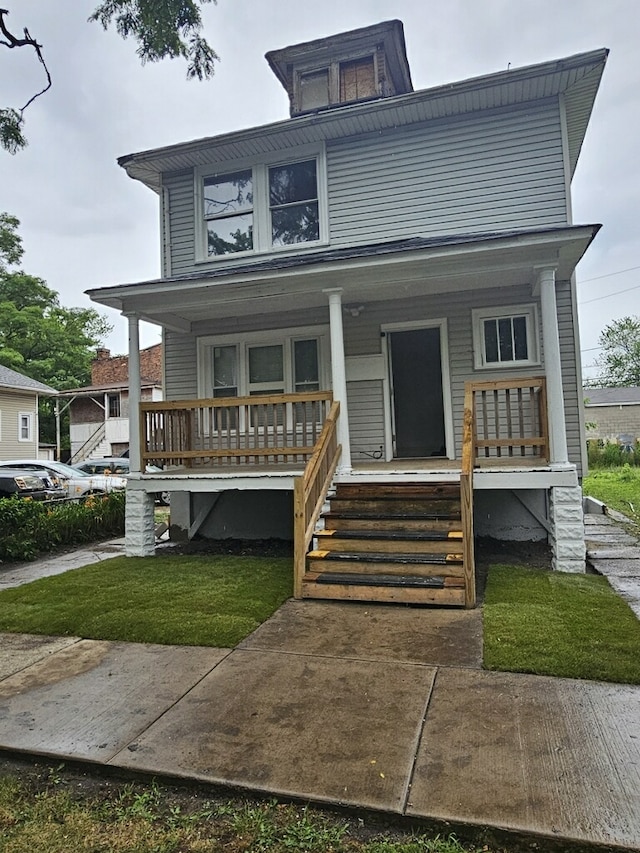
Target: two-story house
[
  {"x": 372, "y": 300},
  {"x": 19, "y": 427}
]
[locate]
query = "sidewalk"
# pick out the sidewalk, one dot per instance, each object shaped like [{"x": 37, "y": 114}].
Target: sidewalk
[{"x": 375, "y": 707}]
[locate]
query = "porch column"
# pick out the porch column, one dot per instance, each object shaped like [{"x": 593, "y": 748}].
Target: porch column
[
  {"x": 339, "y": 374},
  {"x": 553, "y": 368},
  {"x": 139, "y": 532},
  {"x": 134, "y": 393}
]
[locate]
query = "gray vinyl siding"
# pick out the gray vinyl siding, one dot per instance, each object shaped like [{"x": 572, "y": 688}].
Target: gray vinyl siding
[
  {"x": 181, "y": 215},
  {"x": 180, "y": 367},
  {"x": 573, "y": 397},
  {"x": 362, "y": 336},
  {"x": 481, "y": 173},
  {"x": 366, "y": 419}
]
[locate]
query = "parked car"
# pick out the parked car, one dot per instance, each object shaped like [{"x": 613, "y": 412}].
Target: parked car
[
  {"x": 53, "y": 487},
  {"x": 15, "y": 483},
  {"x": 76, "y": 483},
  {"x": 119, "y": 465}
]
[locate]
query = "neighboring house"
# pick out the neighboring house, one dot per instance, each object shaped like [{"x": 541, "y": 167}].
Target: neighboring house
[
  {"x": 613, "y": 414},
  {"x": 19, "y": 414},
  {"x": 99, "y": 413},
  {"x": 378, "y": 292}
]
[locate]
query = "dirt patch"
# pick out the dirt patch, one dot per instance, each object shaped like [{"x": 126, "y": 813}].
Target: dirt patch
[{"x": 234, "y": 547}]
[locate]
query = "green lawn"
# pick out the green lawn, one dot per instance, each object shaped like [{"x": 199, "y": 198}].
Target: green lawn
[
  {"x": 183, "y": 600},
  {"x": 566, "y": 625},
  {"x": 618, "y": 488}
]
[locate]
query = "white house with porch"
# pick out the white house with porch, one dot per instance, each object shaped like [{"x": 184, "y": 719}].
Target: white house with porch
[{"x": 371, "y": 303}]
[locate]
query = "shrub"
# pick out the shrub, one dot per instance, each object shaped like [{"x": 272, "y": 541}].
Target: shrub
[
  {"x": 29, "y": 528},
  {"x": 610, "y": 454}
]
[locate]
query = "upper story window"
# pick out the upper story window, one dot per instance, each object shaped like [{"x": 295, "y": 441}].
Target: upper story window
[
  {"x": 505, "y": 337},
  {"x": 263, "y": 207},
  {"x": 113, "y": 402},
  {"x": 293, "y": 203},
  {"x": 228, "y": 211}
]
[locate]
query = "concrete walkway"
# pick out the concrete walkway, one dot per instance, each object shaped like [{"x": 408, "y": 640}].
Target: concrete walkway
[{"x": 378, "y": 707}]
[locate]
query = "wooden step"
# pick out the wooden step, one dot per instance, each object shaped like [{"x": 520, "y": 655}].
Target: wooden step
[
  {"x": 389, "y": 563},
  {"x": 389, "y": 541},
  {"x": 395, "y": 507},
  {"x": 400, "y": 490},
  {"x": 445, "y": 596},
  {"x": 352, "y": 521}
]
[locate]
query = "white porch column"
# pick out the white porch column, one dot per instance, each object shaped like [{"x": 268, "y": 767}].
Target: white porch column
[
  {"x": 553, "y": 368},
  {"x": 339, "y": 374},
  {"x": 134, "y": 393}
]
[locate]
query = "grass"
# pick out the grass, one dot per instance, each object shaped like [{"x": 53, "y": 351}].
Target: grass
[
  {"x": 564, "y": 625},
  {"x": 183, "y": 600},
  {"x": 60, "y": 810},
  {"x": 618, "y": 488}
]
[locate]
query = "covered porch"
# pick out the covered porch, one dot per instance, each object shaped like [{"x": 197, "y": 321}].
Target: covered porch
[{"x": 500, "y": 434}]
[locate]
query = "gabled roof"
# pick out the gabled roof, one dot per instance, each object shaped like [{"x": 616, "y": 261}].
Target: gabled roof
[
  {"x": 575, "y": 78},
  {"x": 11, "y": 380},
  {"x": 611, "y": 396}
]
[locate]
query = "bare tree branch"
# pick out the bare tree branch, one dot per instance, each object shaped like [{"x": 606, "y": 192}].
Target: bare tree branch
[{"x": 13, "y": 120}]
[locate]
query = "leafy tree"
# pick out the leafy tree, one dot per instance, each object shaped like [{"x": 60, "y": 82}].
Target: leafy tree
[
  {"x": 162, "y": 28},
  {"x": 38, "y": 336},
  {"x": 620, "y": 360}
]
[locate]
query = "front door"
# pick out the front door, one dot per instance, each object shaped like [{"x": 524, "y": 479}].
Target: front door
[{"x": 416, "y": 381}]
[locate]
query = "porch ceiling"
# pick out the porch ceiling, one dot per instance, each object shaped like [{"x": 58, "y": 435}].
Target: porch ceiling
[{"x": 403, "y": 269}]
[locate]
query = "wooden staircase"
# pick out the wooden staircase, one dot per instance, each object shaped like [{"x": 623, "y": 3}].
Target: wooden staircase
[{"x": 392, "y": 542}]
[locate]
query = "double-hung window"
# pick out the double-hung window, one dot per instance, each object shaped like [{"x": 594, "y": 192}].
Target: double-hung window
[
  {"x": 293, "y": 203},
  {"x": 505, "y": 337},
  {"x": 25, "y": 426},
  {"x": 264, "y": 207},
  {"x": 228, "y": 213}
]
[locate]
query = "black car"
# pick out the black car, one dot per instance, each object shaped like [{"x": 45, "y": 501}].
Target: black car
[{"x": 21, "y": 484}]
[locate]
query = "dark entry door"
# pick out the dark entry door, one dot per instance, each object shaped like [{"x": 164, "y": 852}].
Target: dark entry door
[{"x": 416, "y": 380}]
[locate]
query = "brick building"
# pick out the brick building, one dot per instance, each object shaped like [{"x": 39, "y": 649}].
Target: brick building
[{"x": 99, "y": 413}]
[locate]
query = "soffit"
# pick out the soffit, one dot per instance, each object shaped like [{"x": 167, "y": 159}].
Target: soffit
[
  {"x": 398, "y": 271},
  {"x": 576, "y": 78}
]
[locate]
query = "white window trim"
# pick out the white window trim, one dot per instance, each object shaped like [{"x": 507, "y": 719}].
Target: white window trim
[
  {"x": 29, "y": 418},
  {"x": 479, "y": 315},
  {"x": 261, "y": 213},
  {"x": 274, "y": 336}
]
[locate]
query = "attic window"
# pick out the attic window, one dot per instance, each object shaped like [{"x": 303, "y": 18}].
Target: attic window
[
  {"x": 357, "y": 80},
  {"x": 314, "y": 90}
]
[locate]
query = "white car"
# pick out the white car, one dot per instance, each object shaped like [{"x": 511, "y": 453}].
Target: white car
[{"x": 77, "y": 484}]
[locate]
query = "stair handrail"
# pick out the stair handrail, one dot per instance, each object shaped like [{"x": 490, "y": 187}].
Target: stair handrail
[
  {"x": 310, "y": 490},
  {"x": 466, "y": 495},
  {"x": 90, "y": 444}
]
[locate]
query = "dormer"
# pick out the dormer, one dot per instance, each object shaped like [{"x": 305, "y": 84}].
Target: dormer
[{"x": 360, "y": 65}]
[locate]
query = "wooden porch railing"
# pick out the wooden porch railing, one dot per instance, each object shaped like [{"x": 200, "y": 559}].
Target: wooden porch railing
[
  {"x": 261, "y": 429},
  {"x": 310, "y": 493},
  {"x": 466, "y": 500},
  {"x": 509, "y": 421}
]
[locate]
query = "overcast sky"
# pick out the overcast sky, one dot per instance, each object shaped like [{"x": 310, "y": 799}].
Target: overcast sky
[{"x": 86, "y": 224}]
